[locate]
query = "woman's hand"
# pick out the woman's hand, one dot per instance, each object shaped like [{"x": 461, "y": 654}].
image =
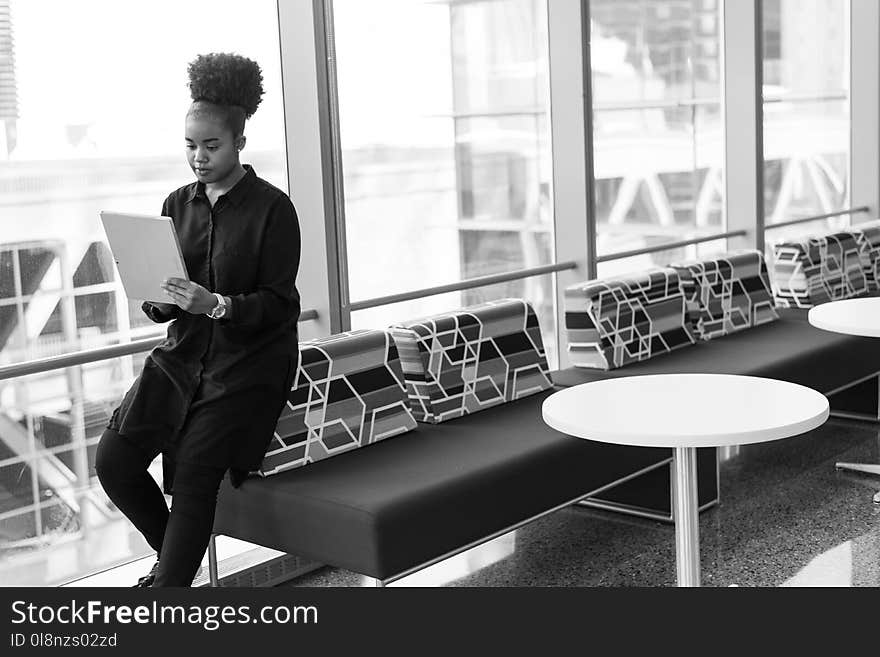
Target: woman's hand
[{"x": 189, "y": 296}]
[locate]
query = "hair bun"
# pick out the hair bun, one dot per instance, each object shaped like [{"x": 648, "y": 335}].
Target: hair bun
[{"x": 226, "y": 79}]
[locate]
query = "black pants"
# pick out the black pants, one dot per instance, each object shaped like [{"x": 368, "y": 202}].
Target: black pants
[{"x": 180, "y": 536}]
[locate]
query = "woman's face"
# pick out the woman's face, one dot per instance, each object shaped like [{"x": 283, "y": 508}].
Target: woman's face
[{"x": 211, "y": 148}]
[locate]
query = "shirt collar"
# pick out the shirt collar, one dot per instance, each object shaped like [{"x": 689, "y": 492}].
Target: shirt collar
[{"x": 234, "y": 195}]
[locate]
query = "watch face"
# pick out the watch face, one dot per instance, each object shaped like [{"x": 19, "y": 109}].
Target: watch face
[{"x": 219, "y": 310}]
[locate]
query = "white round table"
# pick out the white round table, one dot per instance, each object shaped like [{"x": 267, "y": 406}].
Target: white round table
[
  {"x": 853, "y": 317},
  {"x": 684, "y": 412},
  {"x": 850, "y": 316}
]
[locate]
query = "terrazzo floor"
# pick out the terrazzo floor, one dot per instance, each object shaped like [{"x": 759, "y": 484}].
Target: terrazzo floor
[{"x": 787, "y": 517}]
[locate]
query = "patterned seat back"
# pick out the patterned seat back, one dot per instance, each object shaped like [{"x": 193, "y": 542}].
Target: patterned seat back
[
  {"x": 727, "y": 294},
  {"x": 817, "y": 269},
  {"x": 612, "y": 322},
  {"x": 471, "y": 359},
  {"x": 868, "y": 236},
  {"x": 348, "y": 392}
]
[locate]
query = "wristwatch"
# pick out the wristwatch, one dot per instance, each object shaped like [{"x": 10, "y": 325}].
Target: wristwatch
[{"x": 220, "y": 309}]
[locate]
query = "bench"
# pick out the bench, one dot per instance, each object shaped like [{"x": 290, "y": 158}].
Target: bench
[{"x": 388, "y": 509}]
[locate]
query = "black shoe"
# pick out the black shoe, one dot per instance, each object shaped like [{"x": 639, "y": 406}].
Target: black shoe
[{"x": 147, "y": 580}]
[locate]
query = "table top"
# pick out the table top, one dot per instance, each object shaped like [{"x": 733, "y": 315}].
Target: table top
[
  {"x": 685, "y": 410},
  {"x": 851, "y": 316}
]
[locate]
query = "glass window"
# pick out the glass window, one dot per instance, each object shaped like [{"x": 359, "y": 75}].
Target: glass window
[
  {"x": 100, "y": 127},
  {"x": 75, "y": 144},
  {"x": 444, "y": 122},
  {"x": 640, "y": 263},
  {"x": 56, "y": 522},
  {"x": 775, "y": 236},
  {"x": 806, "y": 111},
  {"x": 657, "y": 124},
  {"x": 537, "y": 290}
]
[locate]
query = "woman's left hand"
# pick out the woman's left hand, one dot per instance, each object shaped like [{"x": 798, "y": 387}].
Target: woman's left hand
[{"x": 189, "y": 296}]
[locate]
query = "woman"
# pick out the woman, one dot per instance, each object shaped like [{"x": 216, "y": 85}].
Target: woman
[{"x": 209, "y": 396}]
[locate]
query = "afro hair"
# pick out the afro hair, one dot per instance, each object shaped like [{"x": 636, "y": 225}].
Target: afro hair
[{"x": 226, "y": 79}]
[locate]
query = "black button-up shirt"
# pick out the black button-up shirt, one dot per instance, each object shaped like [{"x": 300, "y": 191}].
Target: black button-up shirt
[{"x": 213, "y": 390}]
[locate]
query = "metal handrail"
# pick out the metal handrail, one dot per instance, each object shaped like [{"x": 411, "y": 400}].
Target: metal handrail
[
  {"x": 41, "y": 365},
  {"x": 655, "y": 104},
  {"x": 670, "y": 245},
  {"x": 806, "y": 98},
  {"x": 533, "y": 111},
  {"x": 704, "y": 102},
  {"x": 470, "y": 283},
  {"x": 803, "y": 220}
]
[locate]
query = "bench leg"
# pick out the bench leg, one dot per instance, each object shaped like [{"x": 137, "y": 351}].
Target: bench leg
[
  {"x": 212, "y": 561},
  {"x": 377, "y": 582}
]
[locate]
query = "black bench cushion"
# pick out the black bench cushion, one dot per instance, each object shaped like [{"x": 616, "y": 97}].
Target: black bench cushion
[
  {"x": 398, "y": 504},
  {"x": 789, "y": 349}
]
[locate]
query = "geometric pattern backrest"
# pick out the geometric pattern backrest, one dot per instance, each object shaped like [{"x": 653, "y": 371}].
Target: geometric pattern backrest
[
  {"x": 612, "y": 322},
  {"x": 471, "y": 359},
  {"x": 727, "y": 294},
  {"x": 817, "y": 269},
  {"x": 868, "y": 235},
  {"x": 348, "y": 392}
]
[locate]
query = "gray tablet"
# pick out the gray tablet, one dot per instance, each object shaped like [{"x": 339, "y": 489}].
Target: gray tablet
[{"x": 146, "y": 251}]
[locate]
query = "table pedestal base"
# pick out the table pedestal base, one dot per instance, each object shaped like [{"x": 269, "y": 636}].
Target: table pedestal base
[
  {"x": 687, "y": 519},
  {"x": 869, "y": 468}
]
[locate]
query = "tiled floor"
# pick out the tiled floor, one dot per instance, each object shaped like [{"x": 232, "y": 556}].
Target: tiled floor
[{"x": 787, "y": 518}]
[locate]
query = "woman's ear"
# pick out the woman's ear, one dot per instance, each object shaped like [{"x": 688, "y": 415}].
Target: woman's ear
[{"x": 241, "y": 142}]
